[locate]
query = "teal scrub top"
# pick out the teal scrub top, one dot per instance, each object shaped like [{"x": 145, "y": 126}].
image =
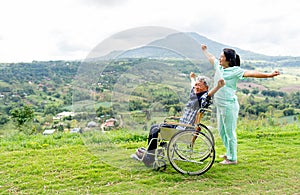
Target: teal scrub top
[{"x": 231, "y": 75}]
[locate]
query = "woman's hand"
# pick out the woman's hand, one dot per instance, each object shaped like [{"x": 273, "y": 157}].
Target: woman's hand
[
  {"x": 275, "y": 73},
  {"x": 203, "y": 47},
  {"x": 211, "y": 58}
]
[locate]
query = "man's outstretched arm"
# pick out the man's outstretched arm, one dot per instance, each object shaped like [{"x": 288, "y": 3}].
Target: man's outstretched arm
[{"x": 221, "y": 83}]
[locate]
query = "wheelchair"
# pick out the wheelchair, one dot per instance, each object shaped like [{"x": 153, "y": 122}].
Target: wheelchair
[{"x": 190, "y": 151}]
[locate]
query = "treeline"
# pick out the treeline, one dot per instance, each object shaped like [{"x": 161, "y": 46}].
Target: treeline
[
  {"x": 58, "y": 71},
  {"x": 48, "y": 88}
]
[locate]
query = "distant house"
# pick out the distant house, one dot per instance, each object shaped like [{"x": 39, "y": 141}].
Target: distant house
[
  {"x": 63, "y": 115},
  {"x": 92, "y": 124},
  {"x": 48, "y": 131},
  {"x": 76, "y": 130},
  {"x": 109, "y": 123}
]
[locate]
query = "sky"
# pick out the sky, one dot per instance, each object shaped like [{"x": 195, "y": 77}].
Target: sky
[{"x": 46, "y": 30}]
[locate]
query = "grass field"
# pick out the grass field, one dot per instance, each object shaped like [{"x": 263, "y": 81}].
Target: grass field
[
  {"x": 289, "y": 77},
  {"x": 64, "y": 164}
]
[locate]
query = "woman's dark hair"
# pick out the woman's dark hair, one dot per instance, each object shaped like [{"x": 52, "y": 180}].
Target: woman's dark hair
[{"x": 231, "y": 57}]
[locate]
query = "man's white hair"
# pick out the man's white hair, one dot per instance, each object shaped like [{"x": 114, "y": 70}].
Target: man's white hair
[{"x": 204, "y": 79}]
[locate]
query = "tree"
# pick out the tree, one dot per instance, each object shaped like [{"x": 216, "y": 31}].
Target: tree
[
  {"x": 22, "y": 115},
  {"x": 172, "y": 111},
  {"x": 103, "y": 111},
  {"x": 3, "y": 119},
  {"x": 52, "y": 109},
  {"x": 245, "y": 91},
  {"x": 255, "y": 91},
  {"x": 288, "y": 112}
]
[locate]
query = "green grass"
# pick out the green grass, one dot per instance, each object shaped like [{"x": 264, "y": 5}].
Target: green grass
[{"x": 67, "y": 164}]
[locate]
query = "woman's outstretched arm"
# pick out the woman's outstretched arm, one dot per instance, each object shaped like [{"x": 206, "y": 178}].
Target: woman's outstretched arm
[
  {"x": 256, "y": 74},
  {"x": 211, "y": 58}
]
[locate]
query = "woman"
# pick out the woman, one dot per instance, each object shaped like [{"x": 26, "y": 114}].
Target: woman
[{"x": 228, "y": 67}]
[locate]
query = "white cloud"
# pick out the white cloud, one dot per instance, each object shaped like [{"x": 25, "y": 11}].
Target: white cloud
[{"x": 70, "y": 29}]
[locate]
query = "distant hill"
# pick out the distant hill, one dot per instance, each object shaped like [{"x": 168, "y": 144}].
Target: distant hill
[
  {"x": 187, "y": 45},
  {"x": 216, "y": 48}
]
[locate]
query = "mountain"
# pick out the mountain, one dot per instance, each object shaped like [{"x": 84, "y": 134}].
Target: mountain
[
  {"x": 188, "y": 45},
  {"x": 216, "y": 48}
]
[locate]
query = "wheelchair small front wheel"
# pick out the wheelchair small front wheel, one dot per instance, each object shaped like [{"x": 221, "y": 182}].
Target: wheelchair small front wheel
[
  {"x": 159, "y": 164},
  {"x": 191, "y": 152}
]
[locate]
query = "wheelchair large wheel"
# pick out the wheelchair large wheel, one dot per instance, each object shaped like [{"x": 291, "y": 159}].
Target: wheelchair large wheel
[
  {"x": 191, "y": 152},
  {"x": 208, "y": 133}
]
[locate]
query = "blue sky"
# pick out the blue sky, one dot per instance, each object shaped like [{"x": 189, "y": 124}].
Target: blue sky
[{"x": 70, "y": 29}]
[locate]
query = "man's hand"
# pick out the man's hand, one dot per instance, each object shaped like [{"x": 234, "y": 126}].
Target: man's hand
[
  {"x": 192, "y": 75},
  {"x": 221, "y": 83}
]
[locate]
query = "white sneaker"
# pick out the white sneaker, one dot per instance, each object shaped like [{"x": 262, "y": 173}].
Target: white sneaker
[{"x": 228, "y": 162}]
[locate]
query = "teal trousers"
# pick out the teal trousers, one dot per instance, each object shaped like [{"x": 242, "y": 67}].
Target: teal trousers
[{"x": 227, "y": 115}]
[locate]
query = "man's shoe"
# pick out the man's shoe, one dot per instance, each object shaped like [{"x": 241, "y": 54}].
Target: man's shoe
[
  {"x": 134, "y": 156},
  {"x": 140, "y": 152},
  {"x": 223, "y": 156}
]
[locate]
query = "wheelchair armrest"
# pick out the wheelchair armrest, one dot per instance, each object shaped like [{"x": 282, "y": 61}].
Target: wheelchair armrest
[{"x": 204, "y": 110}]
